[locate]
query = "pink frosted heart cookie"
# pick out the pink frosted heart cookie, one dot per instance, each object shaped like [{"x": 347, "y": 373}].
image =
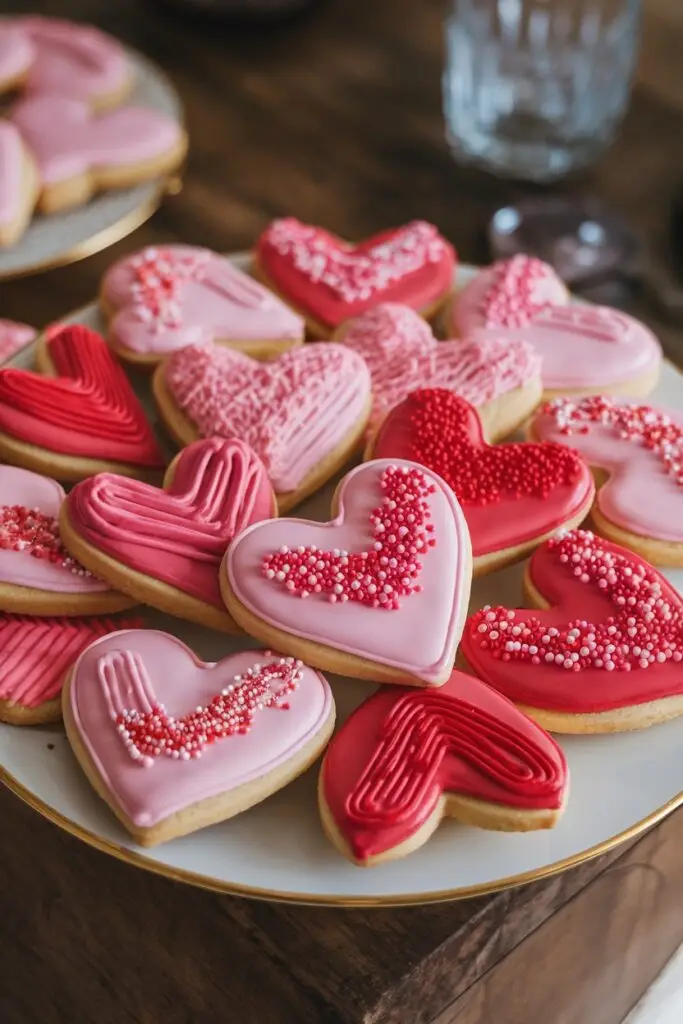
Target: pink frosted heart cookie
[
  {"x": 13, "y": 337},
  {"x": 233, "y": 732},
  {"x": 79, "y": 154},
  {"x": 501, "y": 378},
  {"x": 164, "y": 546},
  {"x": 329, "y": 280},
  {"x": 38, "y": 576},
  {"x": 35, "y": 655},
  {"x": 378, "y": 593},
  {"x": 640, "y": 449},
  {"x": 406, "y": 759},
  {"x": 17, "y": 54},
  {"x": 599, "y": 650},
  {"x": 19, "y": 185},
  {"x": 584, "y": 349},
  {"x": 74, "y": 60},
  {"x": 303, "y": 413},
  {"x": 160, "y": 300}
]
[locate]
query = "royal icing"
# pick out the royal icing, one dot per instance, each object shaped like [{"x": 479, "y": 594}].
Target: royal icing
[
  {"x": 16, "y": 52},
  {"x": 177, "y": 535},
  {"x": 36, "y": 654},
  {"x": 88, "y": 410},
  {"x": 175, "y": 679},
  {"x": 293, "y": 411},
  {"x": 509, "y": 493},
  {"x": 387, "y": 768},
  {"x": 332, "y": 280},
  {"x": 166, "y": 298},
  {"x": 13, "y": 335},
  {"x": 32, "y": 553},
  {"x": 639, "y": 446},
  {"x": 72, "y": 60},
  {"x": 612, "y": 638},
  {"x": 12, "y": 172},
  {"x": 580, "y": 346},
  {"x": 403, "y": 354},
  {"x": 413, "y": 583},
  {"x": 68, "y": 141}
]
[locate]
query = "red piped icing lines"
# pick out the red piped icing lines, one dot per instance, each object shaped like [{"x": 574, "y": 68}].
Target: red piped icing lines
[
  {"x": 379, "y": 577},
  {"x": 613, "y": 638},
  {"x": 32, "y": 531},
  {"x": 148, "y": 731},
  {"x": 88, "y": 410},
  {"x": 386, "y": 770},
  {"x": 35, "y": 654},
  {"x": 510, "y": 493},
  {"x": 335, "y": 280}
]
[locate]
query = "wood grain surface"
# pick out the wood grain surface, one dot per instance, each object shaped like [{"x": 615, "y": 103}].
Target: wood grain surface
[{"x": 336, "y": 119}]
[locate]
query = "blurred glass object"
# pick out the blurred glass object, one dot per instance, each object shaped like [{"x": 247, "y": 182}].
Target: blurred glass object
[{"x": 534, "y": 89}]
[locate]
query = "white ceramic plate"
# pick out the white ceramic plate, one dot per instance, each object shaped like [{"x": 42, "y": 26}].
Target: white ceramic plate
[
  {"x": 620, "y": 785},
  {"x": 66, "y": 237}
]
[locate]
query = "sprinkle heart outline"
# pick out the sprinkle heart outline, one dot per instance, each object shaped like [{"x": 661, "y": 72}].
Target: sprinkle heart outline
[
  {"x": 396, "y": 647},
  {"x": 151, "y": 803},
  {"x": 592, "y": 699},
  {"x": 404, "y": 760},
  {"x": 401, "y": 434}
]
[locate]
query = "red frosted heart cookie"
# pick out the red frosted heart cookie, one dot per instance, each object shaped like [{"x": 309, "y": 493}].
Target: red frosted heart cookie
[
  {"x": 303, "y": 413},
  {"x": 584, "y": 349},
  {"x": 378, "y": 593},
  {"x": 164, "y": 546},
  {"x": 405, "y": 759},
  {"x": 601, "y": 650},
  {"x": 35, "y": 655},
  {"x": 81, "y": 418},
  {"x": 513, "y": 495},
  {"x": 233, "y": 732},
  {"x": 501, "y": 378},
  {"x": 329, "y": 280}
]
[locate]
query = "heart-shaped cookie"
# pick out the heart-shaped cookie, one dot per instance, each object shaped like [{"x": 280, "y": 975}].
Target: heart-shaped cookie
[
  {"x": 35, "y": 655},
  {"x": 513, "y": 495},
  {"x": 79, "y": 154},
  {"x": 256, "y": 719},
  {"x": 161, "y": 299},
  {"x": 164, "y": 547},
  {"x": 405, "y": 759},
  {"x": 385, "y": 583},
  {"x": 501, "y": 378},
  {"x": 38, "y": 576},
  {"x": 19, "y": 185},
  {"x": 303, "y": 413},
  {"x": 17, "y": 55},
  {"x": 82, "y": 418},
  {"x": 641, "y": 448},
  {"x": 329, "y": 280},
  {"x": 584, "y": 349},
  {"x": 604, "y": 650}
]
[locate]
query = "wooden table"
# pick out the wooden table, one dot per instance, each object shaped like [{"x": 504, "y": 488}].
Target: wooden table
[{"x": 338, "y": 121}]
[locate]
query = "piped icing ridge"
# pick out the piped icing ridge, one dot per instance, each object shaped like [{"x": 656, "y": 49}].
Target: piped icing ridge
[
  {"x": 88, "y": 410},
  {"x": 167, "y": 297},
  {"x": 292, "y": 411},
  {"x": 179, "y": 534}
]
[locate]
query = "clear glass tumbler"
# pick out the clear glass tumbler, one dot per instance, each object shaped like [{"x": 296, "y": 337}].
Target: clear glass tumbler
[{"x": 536, "y": 88}]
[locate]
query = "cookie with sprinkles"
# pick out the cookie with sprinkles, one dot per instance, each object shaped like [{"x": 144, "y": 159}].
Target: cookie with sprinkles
[
  {"x": 161, "y": 299},
  {"x": 636, "y": 452},
  {"x": 600, "y": 649},
  {"x": 380, "y": 592},
  {"x": 584, "y": 349},
  {"x": 329, "y": 280},
  {"x": 406, "y": 759},
  {"x": 173, "y": 744},
  {"x": 513, "y": 496},
  {"x": 38, "y": 575}
]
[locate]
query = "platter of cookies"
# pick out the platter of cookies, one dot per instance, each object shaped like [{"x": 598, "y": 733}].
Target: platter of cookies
[
  {"x": 342, "y": 574},
  {"x": 91, "y": 138}
]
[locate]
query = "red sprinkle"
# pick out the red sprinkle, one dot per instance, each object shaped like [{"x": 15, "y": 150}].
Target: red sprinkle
[
  {"x": 644, "y": 630},
  {"x": 378, "y": 577},
  {"x": 160, "y": 275},
  {"x": 30, "y": 530}
]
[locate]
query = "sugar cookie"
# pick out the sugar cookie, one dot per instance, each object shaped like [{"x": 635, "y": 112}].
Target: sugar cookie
[{"x": 19, "y": 185}]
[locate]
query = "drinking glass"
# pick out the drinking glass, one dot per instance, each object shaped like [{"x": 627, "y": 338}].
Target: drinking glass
[{"x": 534, "y": 89}]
